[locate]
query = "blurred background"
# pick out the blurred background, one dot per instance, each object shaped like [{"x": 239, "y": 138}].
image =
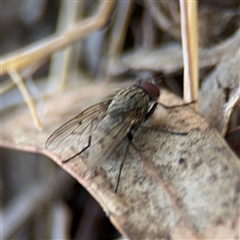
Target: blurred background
[{"x": 141, "y": 39}]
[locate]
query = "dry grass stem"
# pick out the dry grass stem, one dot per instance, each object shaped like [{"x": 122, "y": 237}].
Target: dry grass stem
[
  {"x": 59, "y": 69},
  {"x": 189, "y": 28},
  {"x": 18, "y": 80},
  {"x": 43, "y": 49},
  {"x": 119, "y": 31}
]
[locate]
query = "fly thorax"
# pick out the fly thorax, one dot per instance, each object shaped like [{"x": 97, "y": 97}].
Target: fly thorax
[{"x": 132, "y": 101}]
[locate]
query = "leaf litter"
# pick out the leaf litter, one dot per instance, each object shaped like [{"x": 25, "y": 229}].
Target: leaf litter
[{"x": 187, "y": 185}]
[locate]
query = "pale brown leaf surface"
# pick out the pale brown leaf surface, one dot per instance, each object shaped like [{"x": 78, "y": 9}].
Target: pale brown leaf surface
[{"x": 183, "y": 187}]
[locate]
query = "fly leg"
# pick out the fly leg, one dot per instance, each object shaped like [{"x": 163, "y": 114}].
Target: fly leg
[
  {"x": 130, "y": 137},
  {"x": 165, "y": 131},
  {"x": 84, "y": 149},
  {"x": 152, "y": 110},
  {"x": 174, "y": 106}
]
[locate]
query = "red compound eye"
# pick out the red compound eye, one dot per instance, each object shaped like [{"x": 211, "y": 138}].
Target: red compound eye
[{"x": 150, "y": 89}]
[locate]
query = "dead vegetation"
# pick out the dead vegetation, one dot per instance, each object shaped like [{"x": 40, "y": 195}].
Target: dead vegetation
[{"x": 180, "y": 186}]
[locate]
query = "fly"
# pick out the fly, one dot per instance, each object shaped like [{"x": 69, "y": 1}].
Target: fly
[{"x": 111, "y": 121}]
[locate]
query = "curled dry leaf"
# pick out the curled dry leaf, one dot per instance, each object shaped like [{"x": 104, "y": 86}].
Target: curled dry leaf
[
  {"x": 175, "y": 187},
  {"x": 221, "y": 87}
]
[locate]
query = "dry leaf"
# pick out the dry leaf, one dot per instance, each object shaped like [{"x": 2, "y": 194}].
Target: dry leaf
[
  {"x": 181, "y": 187},
  {"x": 221, "y": 86}
]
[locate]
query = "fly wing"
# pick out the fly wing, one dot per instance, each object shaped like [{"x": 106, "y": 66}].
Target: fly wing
[
  {"x": 83, "y": 124},
  {"x": 107, "y": 138}
]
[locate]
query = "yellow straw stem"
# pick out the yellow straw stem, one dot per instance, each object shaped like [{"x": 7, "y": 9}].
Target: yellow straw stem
[
  {"x": 189, "y": 31},
  {"x": 26, "y": 95}
]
